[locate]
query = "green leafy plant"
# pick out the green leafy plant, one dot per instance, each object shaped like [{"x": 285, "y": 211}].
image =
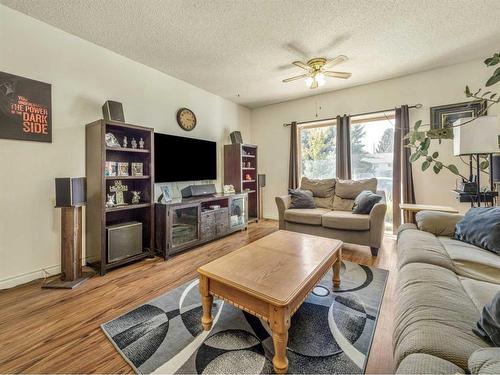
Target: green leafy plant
[{"x": 419, "y": 140}]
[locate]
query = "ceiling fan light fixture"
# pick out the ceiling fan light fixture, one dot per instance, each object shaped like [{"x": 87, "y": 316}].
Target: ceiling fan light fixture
[
  {"x": 320, "y": 79},
  {"x": 309, "y": 81}
]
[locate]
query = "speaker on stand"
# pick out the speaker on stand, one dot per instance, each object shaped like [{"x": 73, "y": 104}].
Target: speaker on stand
[
  {"x": 70, "y": 197},
  {"x": 261, "y": 180}
]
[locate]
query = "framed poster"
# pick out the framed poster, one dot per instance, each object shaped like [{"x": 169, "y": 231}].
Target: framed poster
[
  {"x": 445, "y": 115},
  {"x": 25, "y": 109}
]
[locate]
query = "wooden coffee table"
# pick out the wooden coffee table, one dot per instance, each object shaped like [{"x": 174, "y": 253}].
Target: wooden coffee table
[{"x": 270, "y": 278}]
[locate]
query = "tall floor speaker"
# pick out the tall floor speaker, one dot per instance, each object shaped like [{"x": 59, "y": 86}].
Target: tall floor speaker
[
  {"x": 70, "y": 197},
  {"x": 261, "y": 181}
]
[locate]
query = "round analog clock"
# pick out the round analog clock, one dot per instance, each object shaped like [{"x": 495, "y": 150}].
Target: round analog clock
[{"x": 186, "y": 119}]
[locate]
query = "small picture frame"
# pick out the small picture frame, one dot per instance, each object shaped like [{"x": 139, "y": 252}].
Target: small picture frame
[
  {"x": 111, "y": 169},
  {"x": 137, "y": 169},
  {"x": 122, "y": 169},
  {"x": 165, "y": 194}
]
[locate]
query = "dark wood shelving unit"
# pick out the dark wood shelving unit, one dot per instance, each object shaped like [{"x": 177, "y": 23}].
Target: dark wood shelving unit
[
  {"x": 98, "y": 216},
  {"x": 236, "y": 159}
]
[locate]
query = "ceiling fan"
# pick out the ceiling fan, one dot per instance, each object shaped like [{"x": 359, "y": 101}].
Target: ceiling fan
[{"x": 317, "y": 70}]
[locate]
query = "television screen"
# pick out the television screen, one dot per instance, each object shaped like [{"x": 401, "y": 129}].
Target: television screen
[{"x": 184, "y": 159}]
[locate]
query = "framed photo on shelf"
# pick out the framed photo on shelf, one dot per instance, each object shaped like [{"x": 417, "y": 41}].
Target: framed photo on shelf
[
  {"x": 165, "y": 194},
  {"x": 122, "y": 169},
  {"x": 444, "y": 116},
  {"x": 137, "y": 169},
  {"x": 111, "y": 169}
]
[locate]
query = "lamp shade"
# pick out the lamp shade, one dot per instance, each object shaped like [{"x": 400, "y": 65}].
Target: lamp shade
[{"x": 480, "y": 136}]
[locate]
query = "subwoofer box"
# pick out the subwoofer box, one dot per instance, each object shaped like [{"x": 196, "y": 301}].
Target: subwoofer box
[{"x": 124, "y": 240}]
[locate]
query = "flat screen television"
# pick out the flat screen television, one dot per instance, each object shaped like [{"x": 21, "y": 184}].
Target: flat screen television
[{"x": 184, "y": 159}]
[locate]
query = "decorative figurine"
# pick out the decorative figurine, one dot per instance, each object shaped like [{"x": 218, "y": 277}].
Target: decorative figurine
[
  {"x": 136, "y": 197},
  {"x": 133, "y": 143},
  {"x": 125, "y": 142},
  {"x": 228, "y": 189},
  {"x": 141, "y": 143},
  {"x": 111, "y": 201},
  {"x": 111, "y": 140},
  {"x": 118, "y": 189},
  {"x": 248, "y": 177}
]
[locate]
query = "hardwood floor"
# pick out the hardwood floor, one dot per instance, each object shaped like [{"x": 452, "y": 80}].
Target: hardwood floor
[{"x": 58, "y": 331}]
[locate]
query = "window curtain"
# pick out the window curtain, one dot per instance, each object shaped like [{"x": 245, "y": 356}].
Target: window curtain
[
  {"x": 293, "y": 172},
  {"x": 402, "y": 182},
  {"x": 343, "y": 147}
]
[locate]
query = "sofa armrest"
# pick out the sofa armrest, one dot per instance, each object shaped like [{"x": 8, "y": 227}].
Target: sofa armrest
[
  {"x": 283, "y": 204},
  {"x": 377, "y": 224},
  {"x": 485, "y": 361}
]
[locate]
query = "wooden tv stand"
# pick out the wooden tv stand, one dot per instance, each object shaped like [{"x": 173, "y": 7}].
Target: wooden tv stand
[{"x": 184, "y": 223}]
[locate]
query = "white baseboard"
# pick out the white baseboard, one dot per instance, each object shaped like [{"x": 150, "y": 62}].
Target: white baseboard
[{"x": 24, "y": 278}]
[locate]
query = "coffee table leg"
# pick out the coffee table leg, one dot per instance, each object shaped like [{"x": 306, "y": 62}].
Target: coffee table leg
[
  {"x": 336, "y": 270},
  {"x": 206, "y": 301},
  {"x": 280, "y": 322}
]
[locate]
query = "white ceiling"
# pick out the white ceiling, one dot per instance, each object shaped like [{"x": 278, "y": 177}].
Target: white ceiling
[{"x": 242, "y": 49}]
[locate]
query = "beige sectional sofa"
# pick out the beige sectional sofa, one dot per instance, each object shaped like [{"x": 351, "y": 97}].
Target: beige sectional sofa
[
  {"x": 333, "y": 215},
  {"x": 442, "y": 287}
]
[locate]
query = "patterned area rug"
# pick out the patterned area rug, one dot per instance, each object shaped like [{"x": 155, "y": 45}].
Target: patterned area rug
[{"x": 330, "y": 333}]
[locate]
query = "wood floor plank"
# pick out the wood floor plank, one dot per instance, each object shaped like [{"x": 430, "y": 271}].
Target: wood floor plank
[{"x": 58, "y": 331}]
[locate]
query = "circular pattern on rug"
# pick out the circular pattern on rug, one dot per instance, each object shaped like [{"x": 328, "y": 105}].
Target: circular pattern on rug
[{"x": 320, "y": 291}]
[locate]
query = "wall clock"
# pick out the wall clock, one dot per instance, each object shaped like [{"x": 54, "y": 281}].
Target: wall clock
[{"x": 186, "y": 119}]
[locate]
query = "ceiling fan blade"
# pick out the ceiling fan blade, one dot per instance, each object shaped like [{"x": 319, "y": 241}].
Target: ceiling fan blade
[
  {"x": 343, "y": 75},
  {"x": 302, "y": 65},
  {"x": 314, "y": 84},
  {"x": 295, "y": 78},
  {"x": 336, "y": 61}
]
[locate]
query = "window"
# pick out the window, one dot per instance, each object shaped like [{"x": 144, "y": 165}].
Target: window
[
  {"x": 317, "y": 150},
  {"x": 372, "y": 145}
]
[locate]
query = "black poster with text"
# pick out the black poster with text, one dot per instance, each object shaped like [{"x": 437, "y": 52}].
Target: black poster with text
[{"x": 25, "y": 109}]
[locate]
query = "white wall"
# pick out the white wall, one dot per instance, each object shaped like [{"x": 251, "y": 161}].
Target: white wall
[
  {"x": 83, "y": 77},
  {"x": 432, "y": 88}
]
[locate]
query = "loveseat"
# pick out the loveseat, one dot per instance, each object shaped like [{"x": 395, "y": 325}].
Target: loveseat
[
  {"x": 443, "y": 284},
  {"x": 333, "y": 216}
]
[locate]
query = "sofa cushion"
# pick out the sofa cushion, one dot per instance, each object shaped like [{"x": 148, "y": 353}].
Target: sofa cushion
[
  {"x": 485, "y": 361},
  {"x": 472, "y": 261},
  {"x": 434, "y": 315},
  {"x": 350, "y": 189},
  {"x": 342, "y": 204},
  {"x": 319, "y": 188},
  {"x": 420, "y": 363},
  {"x": 481, "y": 227},
  {"x": 345, "y": 220},
  {"x": 438, "y": 223},
  {"x": 480, "y": 292},
  {"x": 416, "y": 246},
  {"x": 310, "y": 216},
  {"x": 301, "y": 198}
]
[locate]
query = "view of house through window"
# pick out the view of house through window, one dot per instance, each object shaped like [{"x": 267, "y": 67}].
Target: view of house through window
[
  {"x": 317, "y": 151},
  {"x": 372, "y": 144}
]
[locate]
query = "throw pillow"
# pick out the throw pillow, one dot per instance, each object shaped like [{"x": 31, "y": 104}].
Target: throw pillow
[
  {"x": 488, "y": 326},
  {"x": 319, "y": 188},
  {"x": 301, "y": 198},
  {"x": 350, "y": 189},
  {"x": 438, "y": 223},
  {"x": 365, "y": 201},
  {"x": 480, "y": 227}
]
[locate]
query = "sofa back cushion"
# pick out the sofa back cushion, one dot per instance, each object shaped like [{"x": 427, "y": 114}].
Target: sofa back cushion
[
  {"x": 350, "y": 189},
  {"x": 438, "y": 223},
  {"x": 322, "y": 191},
  {"x": 481, "y": 227},
  {"x": 301, "y": 198},
  {"x": 319, "y": 188}
]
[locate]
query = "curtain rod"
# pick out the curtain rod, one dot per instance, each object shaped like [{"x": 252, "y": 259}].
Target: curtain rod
[{"x": 358, "y": 114}]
